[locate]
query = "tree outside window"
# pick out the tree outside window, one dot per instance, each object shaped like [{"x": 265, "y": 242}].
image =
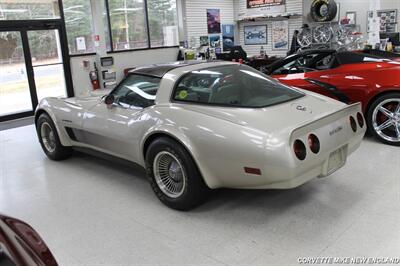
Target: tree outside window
[
  {"x": 163, "y": 22},
  {"x": 79, "y": 25}
]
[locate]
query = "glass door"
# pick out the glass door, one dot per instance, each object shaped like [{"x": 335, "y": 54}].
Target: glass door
[
  {"x": 32, "y": 67},
  {"x": 15, "y": 96},
  {"x": 47, "y": 63}
]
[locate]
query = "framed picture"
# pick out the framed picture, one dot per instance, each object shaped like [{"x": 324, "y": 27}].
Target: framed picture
[
  {"x": 215, "y": 41},
  {"x": 280, "y": 35},
  {"x": 213, "y": 21},
  {"x": 352, "y": 16},
  {"x": 255, "y": 34}
]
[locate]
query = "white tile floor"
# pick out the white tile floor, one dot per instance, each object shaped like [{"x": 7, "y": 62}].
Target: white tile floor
[{"x": 93, "y": 212}]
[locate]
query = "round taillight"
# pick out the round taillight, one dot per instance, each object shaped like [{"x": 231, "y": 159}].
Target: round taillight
[
  {"x": 313, "y": 143},
  {"x": 353, "y": 124},
  {"x": 360, "y": 119},
  {"x": 299, "y": 149}
]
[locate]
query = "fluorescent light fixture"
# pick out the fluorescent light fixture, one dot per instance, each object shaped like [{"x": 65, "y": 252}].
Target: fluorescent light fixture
[
  {"x": 128, "y": 9},
  {"x": 13, "y": 10}
]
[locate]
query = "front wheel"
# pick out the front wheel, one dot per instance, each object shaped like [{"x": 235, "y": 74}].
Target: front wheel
[
  {"x": 49, "y": 139},
  {"x": 174, "y": 176},
  {"x": 383, "y": 118}
]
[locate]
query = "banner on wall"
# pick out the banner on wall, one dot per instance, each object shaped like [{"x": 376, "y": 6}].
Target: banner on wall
[
  {"x": 264, "y": 7},
  {"x": 264, "y": 3},
  {"x": 280, "y": 35}
]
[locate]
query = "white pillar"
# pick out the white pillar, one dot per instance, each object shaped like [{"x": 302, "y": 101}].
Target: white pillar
[{"x": 98, "y": 26}]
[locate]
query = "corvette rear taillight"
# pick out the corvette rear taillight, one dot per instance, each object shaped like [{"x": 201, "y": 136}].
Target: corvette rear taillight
[
  {"x": 353, "y": 124},
  {"x": 299, "y": 149},
  {"x": 313, "y": 143},
  {"x": 360, "y": 119}
]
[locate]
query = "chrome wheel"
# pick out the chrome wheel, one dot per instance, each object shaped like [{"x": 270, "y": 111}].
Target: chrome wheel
[
  {"x": 386, "y": 120},
  {"x": 48, "y": 137},
  {"x": 322, "y": 34},
  {"x": 169, "y": 174},
  {"x": 304, "y": 39}
]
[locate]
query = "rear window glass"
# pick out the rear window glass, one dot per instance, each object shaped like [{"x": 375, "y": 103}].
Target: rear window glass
[{"x": 232, "y": 85}]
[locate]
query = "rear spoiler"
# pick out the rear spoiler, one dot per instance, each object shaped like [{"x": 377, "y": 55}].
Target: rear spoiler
[{"x": 327, "y": 119}]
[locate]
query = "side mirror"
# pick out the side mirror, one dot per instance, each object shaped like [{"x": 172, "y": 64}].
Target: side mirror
[{"x": 109, "y": 100}]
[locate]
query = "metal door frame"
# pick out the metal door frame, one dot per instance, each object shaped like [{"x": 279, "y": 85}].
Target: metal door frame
[{"x": 23, "y": 26}]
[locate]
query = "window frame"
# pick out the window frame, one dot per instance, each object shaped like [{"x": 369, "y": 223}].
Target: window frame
[
  {"x": 178, "y": 81},
  {"x": 146, "y": 14}
]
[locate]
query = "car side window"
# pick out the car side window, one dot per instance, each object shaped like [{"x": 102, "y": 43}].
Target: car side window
[{"x": 137, "y": 91}]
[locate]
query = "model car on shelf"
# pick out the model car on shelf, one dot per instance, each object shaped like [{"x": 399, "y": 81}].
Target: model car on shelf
[
  {"x": 205, "y": 125},
  {"x": 20, "y": 244},
  {"x": 349, "y": 77}
]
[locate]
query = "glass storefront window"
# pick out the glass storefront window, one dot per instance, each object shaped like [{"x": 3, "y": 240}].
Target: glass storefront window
[
  {"x": 79, "y": 25},
  {"x": 163, "y": 22},
  {"x": 128, "y": 24},
  {"x": 28, "y": 9}
]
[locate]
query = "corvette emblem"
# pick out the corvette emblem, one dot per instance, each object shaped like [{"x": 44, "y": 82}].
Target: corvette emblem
[
  {"x": 336, "y": 130},
  {"x": 301, "y": 108}
]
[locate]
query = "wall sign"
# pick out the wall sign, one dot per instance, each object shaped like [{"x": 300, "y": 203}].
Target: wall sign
[
  {"x": 257, "y": 8},
  {"x": 80, "y": 44},
  {"x": 264, "y": 3}
]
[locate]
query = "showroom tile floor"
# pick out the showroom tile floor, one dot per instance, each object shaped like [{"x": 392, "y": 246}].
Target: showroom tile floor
[{"x": 92, "y": 212}]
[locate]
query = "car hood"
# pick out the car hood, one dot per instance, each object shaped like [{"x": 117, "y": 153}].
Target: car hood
[{"x": 288, "y": 115}]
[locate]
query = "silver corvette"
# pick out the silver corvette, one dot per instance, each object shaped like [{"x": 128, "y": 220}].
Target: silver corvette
[{"x": 205, "y": 125}]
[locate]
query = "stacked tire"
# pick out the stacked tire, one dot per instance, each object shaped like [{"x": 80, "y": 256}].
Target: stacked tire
[{"x": 323, "y": 10}]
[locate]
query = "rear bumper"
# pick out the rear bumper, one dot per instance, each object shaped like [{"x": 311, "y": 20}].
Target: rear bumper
[
  {"x": 296, "y": 172},
  {"x": 292, "y": 177}
]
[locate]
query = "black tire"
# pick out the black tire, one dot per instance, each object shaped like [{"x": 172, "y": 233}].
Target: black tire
[
  {"x": 59, "y": 152},
  {"x": 316, "y": 8},
  {"x": 194, "y": 191},
  {"x": 370, "y": 117}
]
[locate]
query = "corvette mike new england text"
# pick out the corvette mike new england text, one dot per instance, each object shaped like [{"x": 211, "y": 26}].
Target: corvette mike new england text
[{"x": 349, "y": 260}]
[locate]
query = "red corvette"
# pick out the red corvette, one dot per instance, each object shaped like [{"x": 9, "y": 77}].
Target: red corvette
[{"x": 349, "y": 77}]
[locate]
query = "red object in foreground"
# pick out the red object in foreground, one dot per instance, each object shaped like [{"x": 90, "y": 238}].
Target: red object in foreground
[{"x": 20, "y": 244}]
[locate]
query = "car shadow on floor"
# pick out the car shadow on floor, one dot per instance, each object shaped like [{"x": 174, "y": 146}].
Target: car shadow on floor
[{"x": 323, "y": 194}]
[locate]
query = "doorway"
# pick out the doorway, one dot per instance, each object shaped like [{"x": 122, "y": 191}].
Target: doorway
[{"x": 34, "y": 64}]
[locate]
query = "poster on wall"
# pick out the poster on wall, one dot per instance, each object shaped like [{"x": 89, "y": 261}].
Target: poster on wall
[
  {"x": 255, "y": 34},
  {"x": 204, "y": 41},
  {"x": 264, "y": 3},
  {"x": 228, "y": 38},
  {"x": 215, "y": 41},
  {"x": 280, "y": 35},
  {"x": 213, "y": 21}
]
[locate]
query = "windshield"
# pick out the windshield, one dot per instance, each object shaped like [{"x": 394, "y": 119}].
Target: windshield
[{"x": 232, "y": 85}]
